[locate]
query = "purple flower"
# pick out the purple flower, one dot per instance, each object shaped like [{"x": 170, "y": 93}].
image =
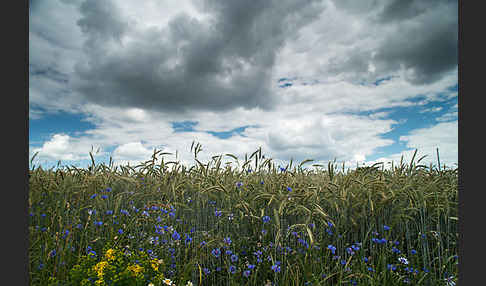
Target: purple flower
[
  {"x": 385, "y": 227},
  {"x": 93, "y": 196},
  {"x": 246, "y": 273},
  {"x": 234, "y": 258},
  {"x": 266, "y": 219},
  {"x": 216, "y": 252},
  {"x": 276, "y": 268},
  {"x": 332, "y": 248},
  {"x": 176, "y": 235},
  {"x": 227, "y": 240},
  {"x": 232, "y": 269}
]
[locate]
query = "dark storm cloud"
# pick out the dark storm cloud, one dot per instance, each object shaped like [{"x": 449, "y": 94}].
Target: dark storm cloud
[
  {"x": 428, "y": 44},
  {"x": 190, "y": 64},
  {"x": 423, "y": 39}
]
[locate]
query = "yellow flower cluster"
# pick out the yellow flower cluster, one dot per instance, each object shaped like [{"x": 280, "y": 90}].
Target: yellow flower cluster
[
  {"x": 135, "y": 269},
  {"x": 110, "y": 254},
  {"x": 155, "y": 264},
  {"x": 99, "y": 268}
]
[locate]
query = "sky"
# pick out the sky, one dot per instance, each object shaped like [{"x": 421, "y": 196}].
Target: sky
[{"x": 355, "y": 82}]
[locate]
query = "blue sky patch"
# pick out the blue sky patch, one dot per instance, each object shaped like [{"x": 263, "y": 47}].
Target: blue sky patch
[
  {"x": 184, "y": 126},
  {"x": 42, "y": 129},
  {"x": 228, "y": 134}
]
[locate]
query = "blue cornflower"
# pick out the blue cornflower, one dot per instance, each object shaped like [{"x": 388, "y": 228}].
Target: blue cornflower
[
  {"x": 203, "y": 243},
  {"x": 104, "y": 196},
  {"x": 232, "y": 269},
  {"x": 66, "y": 232},
  {"x": 206, "y": 271},
  {"x": 330, "y": 224},
  {"x": 266, "y": 219},
  {"x": 262, "y": 182},
  {"x": 385, "y": 227},
  {"x": 92, "y": 253},
  {"x": 188, "y": 239},
  {"x": 216, "y": 252},
  {"x": 228, "y": 252},
  {"x": 365, "y": 259},
  {"x": 227, "y": 240},
  {"x": 239, "y": 184},
  {"x": 350, "y": 251},
  {"x": 52, "y": 253},
  {"x": 98, "y": 223},
  {"x": 108, "y": 190},
  {"x": 172, "y": 214},
  {"x": 282, "y": 169},
  {"x": 276, "y": 268},
  {"x": 218, "y": 268},
  {"x": 343, "y": 262},
  {"x": 93, "y": 196},
  {"x": 332, "y": 248},
  {"x": 413, "y": 251},
  {"x": 217, "y": 213},
  {"x": 176, "y": 235},
  {"x": 125, "y": 212},
  {"x": 289, "y": 189},
  {"x": 264, "y": 231},
  {"x": 371, "y": 269},
  {"x": 234, "y": 258},
  {"x": 246, "y": 273},
  {"x": 312, "y": 225},
  {"x": 251, "y": 266},
  {"x": 328, "y": 231},
  {"x": 396, "y": 250},
  {"x": 391, "y": 267}
]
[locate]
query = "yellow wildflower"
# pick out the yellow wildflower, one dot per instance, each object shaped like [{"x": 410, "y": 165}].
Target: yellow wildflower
[
  {"x": 135, "y": 269},
  {"x": 99, "y": 268},
  {"x": 155, "y": 263},
  {"x": 110, "y": 254}
]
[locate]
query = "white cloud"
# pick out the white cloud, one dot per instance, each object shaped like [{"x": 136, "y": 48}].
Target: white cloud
[{"x": 443, "y": 136}]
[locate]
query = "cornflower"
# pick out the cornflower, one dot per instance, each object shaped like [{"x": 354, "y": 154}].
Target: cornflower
[
  {"x": 227, "y": 240},
  {"x": 216, "y": 252},
  {"x": 266, "y": 219},
  {"x": 232, "y": 269},
  {"x": 403, "y": 260},
  {"x": 332, "y": 248}
]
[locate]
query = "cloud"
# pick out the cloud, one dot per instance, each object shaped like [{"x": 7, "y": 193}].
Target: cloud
[
  {"x": 361, "y": 42},
  {"x": 189, "y": 64},
  {"x": 443, "y": 136},
  {"x": 59, "y": 147},
  {"x": 133, "y": 152}
]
